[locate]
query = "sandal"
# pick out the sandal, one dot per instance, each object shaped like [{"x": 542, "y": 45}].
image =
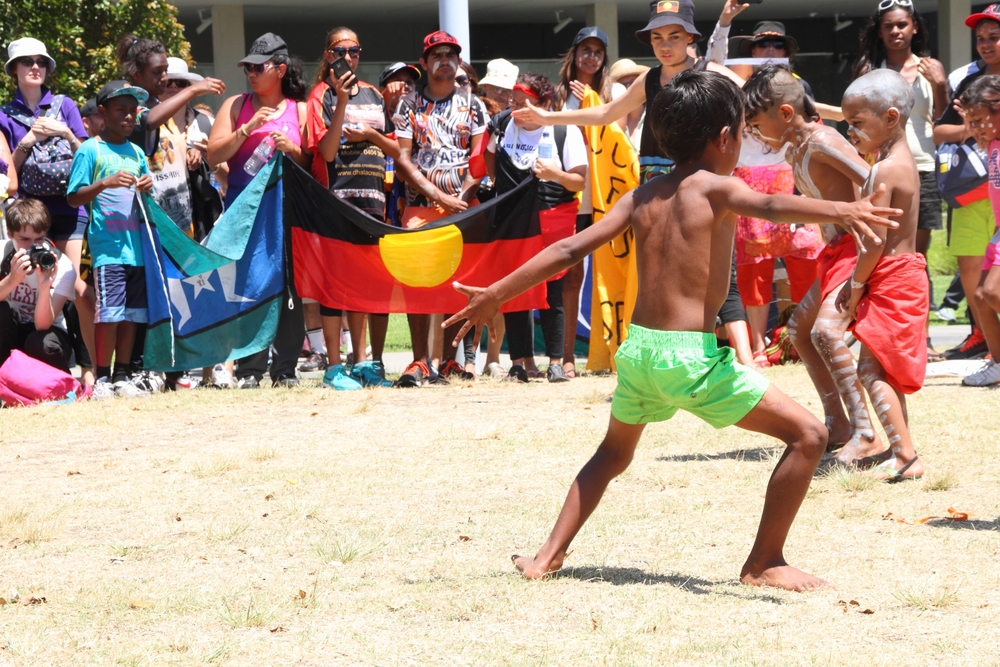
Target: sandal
[
  {"x": 569, "y": 368},
  {"x": 894, "y": 476},
  {"x": 760, "y": 360},
  {"x": 933, "y": 356}
]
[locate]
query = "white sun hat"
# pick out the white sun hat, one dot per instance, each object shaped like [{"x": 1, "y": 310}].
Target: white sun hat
[
  {"x": 27, "y": 46},
  {"x": 178, "y": 69},
  {"x": 500, "y": 73}
]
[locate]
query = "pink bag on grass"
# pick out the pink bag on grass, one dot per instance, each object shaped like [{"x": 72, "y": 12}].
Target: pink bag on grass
[{"x": 25, "y": 380}]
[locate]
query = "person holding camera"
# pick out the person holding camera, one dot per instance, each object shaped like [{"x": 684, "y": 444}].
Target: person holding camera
[{"x": 36, "y": 282}]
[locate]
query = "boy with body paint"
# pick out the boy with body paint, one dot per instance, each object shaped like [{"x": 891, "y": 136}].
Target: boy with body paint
[
  {"x": 887, "y": 296},
  {"x": 826, "y": 167},
  {"x": 684, "y": 224}
]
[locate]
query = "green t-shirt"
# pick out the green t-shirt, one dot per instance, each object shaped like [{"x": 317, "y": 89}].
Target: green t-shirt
[{"x": 115, "y": 218}]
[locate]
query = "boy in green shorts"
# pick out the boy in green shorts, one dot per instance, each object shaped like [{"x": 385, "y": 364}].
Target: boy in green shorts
[{"x": 684, "y": 225}]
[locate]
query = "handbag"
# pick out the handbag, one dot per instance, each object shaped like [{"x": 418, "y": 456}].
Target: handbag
[{"x": 45, "y": 172}]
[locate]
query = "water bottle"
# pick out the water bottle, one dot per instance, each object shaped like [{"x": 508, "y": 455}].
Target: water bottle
[{"x": 263, "y": 153}]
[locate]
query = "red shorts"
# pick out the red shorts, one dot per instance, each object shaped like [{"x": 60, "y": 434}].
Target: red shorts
[
  {"x": 755, "y": 281},
  {"x": 836, "y": 263}
]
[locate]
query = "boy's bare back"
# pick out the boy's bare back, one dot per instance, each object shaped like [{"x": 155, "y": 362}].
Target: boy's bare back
[{"x": 827, "y": 167}]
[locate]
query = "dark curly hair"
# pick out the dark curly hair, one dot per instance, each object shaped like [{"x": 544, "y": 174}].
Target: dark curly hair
[
  {"x": 773, "y": 85},
  {"x": 872, "y": 51},
  {"x": 691, "y": 110},
  {"x": 293, "y": 84},
  {"x": 134, "y": 54},
  {"x": 538, "y": 84}
]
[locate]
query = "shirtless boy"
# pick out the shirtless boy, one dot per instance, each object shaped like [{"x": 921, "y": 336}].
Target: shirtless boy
[
  {"x": 887, "y": 297},
  {"x": 684, "y": 225},
  {"x": 826, "y": 167}
]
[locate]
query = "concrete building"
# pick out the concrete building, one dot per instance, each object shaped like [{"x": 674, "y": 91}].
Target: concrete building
[{"x": 534, "y": 33}]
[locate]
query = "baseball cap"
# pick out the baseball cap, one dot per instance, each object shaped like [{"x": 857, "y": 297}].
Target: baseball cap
[
  {"x": 89, "y": 108},
  {"x": 588, "y": 32},
  {"x": 27, "y": 46},
  {"x": 669, "y": 12},
  {"x": 991, "y": 13},
  {"x": 437, "y": 38},
  {"x": 764, "y": 30},
  {"x": 397, "y": 67},
  {"x": 120, "y": 88},
  {"x": 264, "y": 48},
  {"x": 500, "y": 73}
]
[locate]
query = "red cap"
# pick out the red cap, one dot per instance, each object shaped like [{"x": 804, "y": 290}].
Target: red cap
[
  {"x": 438, "y": 38},
  {"x": 991, "y": 13}
]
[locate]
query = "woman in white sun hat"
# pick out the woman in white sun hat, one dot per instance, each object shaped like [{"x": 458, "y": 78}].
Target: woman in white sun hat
[{"x": 501, "y": 75}]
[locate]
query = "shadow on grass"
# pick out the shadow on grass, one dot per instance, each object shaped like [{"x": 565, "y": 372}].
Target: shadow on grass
[
  {"x": 626, "y": 576},
  {"x": 755, "y": 454},
  {"x": 971, "y": 524}
]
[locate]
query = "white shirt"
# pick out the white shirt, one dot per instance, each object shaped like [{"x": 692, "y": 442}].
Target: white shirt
[
  {"x": 525, "y": 146},
  {"x": 24, "y": 296}
]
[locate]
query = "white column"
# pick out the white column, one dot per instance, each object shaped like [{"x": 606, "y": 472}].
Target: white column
[
  {"x": 229, "y": 47},
  {"x": 954, "y": 39},
  {"x": 605, "y": 16},
  {"x": 453, "y": 18}
]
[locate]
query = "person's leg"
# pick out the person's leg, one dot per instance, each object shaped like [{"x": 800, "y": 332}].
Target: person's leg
[
  {"x": 553, "y": 321},
  {"x": 572, "y": 283},
  {"x": 802, "y": 275},
  {"x": 495, "y": 342},
  {"x": 124, "y": 344},
  {"x": 330, "y": 321},
  {"x": 987, "y": 303},
  {"x": 419, "y": 330},
  {"x": 970, "y": 270},
  {"x": 52, "y": 346},
  {"x": 611, "y": 459},
  {"x": 519, "y": 336},
  {"x": 805, "y": 439},
  {"x": 105, "y": 337},
  {"x": 738, "y": 334},
  {"x": 955, "y": 293},
  {"x": 890, "y": 405},
  {"x": 356, "y": 326},
  {"x": 379, "y": 327},
  {"x": 756, "y": 289},
  {"x": 287, "y": 341}
]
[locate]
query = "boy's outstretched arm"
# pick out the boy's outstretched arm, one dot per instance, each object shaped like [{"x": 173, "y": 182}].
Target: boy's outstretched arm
[
  {"x": 484, "y": 302},
  {"x": 857, "y": 217}
]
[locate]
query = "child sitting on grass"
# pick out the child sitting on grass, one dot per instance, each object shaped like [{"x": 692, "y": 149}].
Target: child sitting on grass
[
  {"x": 887, "y": 297},
  {"x": 826, "y": 167},
  {"x": 684, "y": 225}
]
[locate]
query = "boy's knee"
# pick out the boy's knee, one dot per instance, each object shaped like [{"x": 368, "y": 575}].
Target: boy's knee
[
  {"x": 824, "y": 339},
  {"x": 813, "y": 440},
  {"x": 614, "y": 460}
]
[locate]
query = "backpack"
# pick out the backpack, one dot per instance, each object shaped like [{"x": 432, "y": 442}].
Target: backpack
[
  {"x": 961, "y": 173},
  {"x": 25, "y": 380},
  {"x": 45, "y": 172}
]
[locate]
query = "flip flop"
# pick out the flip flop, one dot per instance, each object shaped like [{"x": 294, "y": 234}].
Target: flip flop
[
  {"x": 894, "y": 476},
  {"x": 570, "y": 372},
  {"x": 760, "y": 361}
]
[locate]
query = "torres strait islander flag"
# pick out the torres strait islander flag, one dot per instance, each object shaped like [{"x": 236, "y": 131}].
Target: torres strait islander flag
[{"x": 344, "y": 258}]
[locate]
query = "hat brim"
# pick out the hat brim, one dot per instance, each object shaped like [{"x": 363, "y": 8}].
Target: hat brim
[
  {"x": 974, "y": 20},
  {"x": 499, "y": 82},
  {"x": 661, "y": 21},
  {"x": 8, "y": 65},
  {"x": 745, "y": 44},
  {"x": 139, "y": 94},
  {"x": 261, "y": 58},
  {"x": 408, "y": 68},
  {"x": 185, "y": 76}
]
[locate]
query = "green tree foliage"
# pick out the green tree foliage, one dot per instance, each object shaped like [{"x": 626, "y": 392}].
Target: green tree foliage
[{"x": 81, "y": 36}]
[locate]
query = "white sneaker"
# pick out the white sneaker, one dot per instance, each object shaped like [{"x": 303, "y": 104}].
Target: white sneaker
[
  {"x": 986, "y": 376},
  {"x": 947, "y": 314},
  {"x": 103, "y": 390},
  {"x": 130, "y": 388},
  {"x": 221, "y": 377},
  {"x": 148, "y": 382}
]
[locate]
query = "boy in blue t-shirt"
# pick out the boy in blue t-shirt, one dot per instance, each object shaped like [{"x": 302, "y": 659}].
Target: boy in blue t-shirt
[{"x": 107, "y": 172}]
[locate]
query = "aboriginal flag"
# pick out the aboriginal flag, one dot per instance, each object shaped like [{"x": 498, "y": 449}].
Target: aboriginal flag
[{"x": 345, "y": 259}]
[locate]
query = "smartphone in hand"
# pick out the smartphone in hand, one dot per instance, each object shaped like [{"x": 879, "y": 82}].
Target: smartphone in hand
[{"x": 339, "y": 67}]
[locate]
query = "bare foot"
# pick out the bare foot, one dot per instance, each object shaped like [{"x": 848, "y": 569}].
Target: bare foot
[
  {"x": 858, "y": 447},
  {"x": 872, "y": 460},
  {"x": 569, "y": 368},
  {"x": 784, "y": 576},
  {"x": 532, "y": 568}
]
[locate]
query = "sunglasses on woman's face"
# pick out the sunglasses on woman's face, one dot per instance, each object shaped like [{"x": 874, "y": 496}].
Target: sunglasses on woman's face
[
  {"x": 462, "y": 80},
  {"x": 341, "y": 51},
  {"x": 259, "y": 68},
  {"x": 178, "y": 83},
  {"x": 28, "y": 61},
  {"x": 772, "y": 43}
]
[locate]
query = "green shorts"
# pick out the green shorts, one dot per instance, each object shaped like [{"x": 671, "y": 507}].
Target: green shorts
[
  {"x": 971, "y": 229},
  {"x": 660, "y": 372}
]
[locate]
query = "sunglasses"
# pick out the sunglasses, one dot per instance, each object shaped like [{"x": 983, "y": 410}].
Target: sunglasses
[
  {"x": 178, "y": 83},
  {"x": 772, "y": 43},
  {"x": 260, "y": 68},
  {"x": 28, "y": 61},
  {"x": 889, "y": 4},
  {"x": 462, "y": 80},
  {"x": 341, "y": 51}
]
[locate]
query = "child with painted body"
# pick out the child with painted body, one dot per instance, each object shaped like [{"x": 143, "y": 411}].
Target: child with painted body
[
  {"x": 826, "y": 167},
  {"x": 684, "y": 225},
  {"x": 887, "y": 296}
]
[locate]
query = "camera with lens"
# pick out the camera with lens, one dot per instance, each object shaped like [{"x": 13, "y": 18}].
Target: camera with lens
[{"x": 43, "y": 255}]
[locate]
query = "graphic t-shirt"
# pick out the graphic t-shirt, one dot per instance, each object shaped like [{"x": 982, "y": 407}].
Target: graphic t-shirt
[
  {"x": 115, "y": 218},
  {"x": 357, "y": 174},
  {"x": 168, "y": 168},
  {"x": 24, "y": 296},
  {"x": 993, "y": 164},
  {"x": 518, "y": 148},
  {"x": 441, "y": 132}
]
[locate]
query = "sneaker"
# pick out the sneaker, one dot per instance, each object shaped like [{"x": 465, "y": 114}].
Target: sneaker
[
  {"x": 414, "y": 375},
  {"x": 973, "y": 347},
  {"x": 336, "y": 377},
  {"x": 185, "y": 381},
  {"x": 947, "y": 314},
  {"x": 986, "y": 376},
  {"x": 132, "y": 388},
  {"x": 249, "y": 382},
  {"x": 103, "y": 390},
  {"x": 556, "y": 373},
  {"x": 517, "y": 374},
  {"x": 148, "y": 382},
  {"x": 453, "y": 369},
  {"x": 316, "y": 362},
  {"x": 370, "y": 374},
  {"x": 219, "y": 378},
  {"x": 286, "y": 382}
]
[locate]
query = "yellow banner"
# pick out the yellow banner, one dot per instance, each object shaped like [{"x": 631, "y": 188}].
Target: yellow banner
[{"x": 614, "y": 170}]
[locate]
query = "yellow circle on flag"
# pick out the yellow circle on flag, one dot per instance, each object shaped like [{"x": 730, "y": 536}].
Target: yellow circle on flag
[{"x": 423, "y": 258}]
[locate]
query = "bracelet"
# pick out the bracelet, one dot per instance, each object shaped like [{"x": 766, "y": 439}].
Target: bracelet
[
  {"x": 243, "y": 131},
  {"x": 856, "y": 285},
  {"x": 24, "y": 149}
]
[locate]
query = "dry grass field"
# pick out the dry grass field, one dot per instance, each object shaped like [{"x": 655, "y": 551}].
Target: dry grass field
[{"x": 307, "y": 527}]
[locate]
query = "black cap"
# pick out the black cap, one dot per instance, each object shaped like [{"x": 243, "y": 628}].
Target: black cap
[
  {"x": 669, "y": 12},
  {"x": 120, "y": 88},
  {"x": 588, "y": 32},
  {"x": 89, "y": 108},
  {"x": 397, "y": 67},
  {"x": 264, "y": 48}
]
